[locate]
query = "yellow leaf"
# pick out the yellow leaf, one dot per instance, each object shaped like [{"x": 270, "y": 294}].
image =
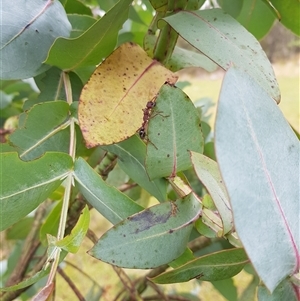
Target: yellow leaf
[{"x": 112, "y": 102}]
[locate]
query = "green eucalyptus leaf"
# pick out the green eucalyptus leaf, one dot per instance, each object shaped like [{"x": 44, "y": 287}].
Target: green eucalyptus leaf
[
  {"x": 85, "y": 73},
  {"x": 25, "y": 25},
  {"x": 81, "y": 150},
  {"x": 20, "y": 91},
  {"x": 72, "y": 242},
  {"x": 106, "y": 5},
  {"x": 20, "y": 229},
  {"x": 289, "y": 11},
  {"x": 27, "y": 184},
  {"x": 93, "y": 45},
  {"x": 194, "y": 4},
  {"x": 227, "y": 288},
  {"x": 204, "y": 229},
  {"x": 173, "y": 131},
  {"x": 284, "y": 291},
  {"x": 208, "y": 202},
  {"x": 136, "y": 16},
  {"x": 6, "y": 148},
  {"x": 109, "y": 201},
  {"x": 185, "y": 257},
  {"x": 159, "y": 5},
  {"x": 80, "y": 23},
  {"x": 256, "y": 17},
  {"x": 50, "y": 83},
  {"x": 258, "y": 156},
  {"x": 5, "y": 100},
  {"x": 131, "y": 158},
  {"x": 209, "y": 150},
  {"x": 231, "y": 7},
  {"x": 34, "y": 278},
  {"x": 183, "y": 58},
  {"x": 149, "y": 238},
  {"x": 77, "y": 7},
  {"x": 12, "y": 260},
  {"x": 208, "y": 173},
  {"x": 50, "y": 225},
  {"x": 41, "y": 130},
  {"x": 227, "y": 43},
  {"x": 212, "y": 267},
  {"x": 20, "y": 88},
  {"x": 250, "y": 292}
]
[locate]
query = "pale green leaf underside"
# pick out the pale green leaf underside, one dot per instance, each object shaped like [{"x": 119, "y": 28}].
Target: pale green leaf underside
[
  {"x": 258, "y": 156},
  {"x": 208, "y": 173}
]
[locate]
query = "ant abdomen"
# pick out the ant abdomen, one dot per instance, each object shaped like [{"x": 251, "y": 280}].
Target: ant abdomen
[{"x": 142, "y": 133}]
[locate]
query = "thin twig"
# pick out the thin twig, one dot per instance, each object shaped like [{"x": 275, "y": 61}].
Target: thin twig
[
  {"x": 9, "y": 296},
  {"x": 29, "y": 247},
  {"x": 71, "y": 284},
  {"x": 199, "y": 243},
  {"x": 158, "y": 290},
  {"x": 68, "y": 181},
  {"x": 127, "y": 283},
  {"x": 82, "y": 272},
  {"x": 119, "y": 294},
  {"x": 61, "y": 227},
  {"x": 170, "y": 298},
  {"x": 91, "y": 236},
  {"x": 127, "y": 186},
  {"x": 195, "y": 245}
]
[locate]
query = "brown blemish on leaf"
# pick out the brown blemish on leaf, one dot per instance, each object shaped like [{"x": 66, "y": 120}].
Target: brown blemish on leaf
[
  {"x": 174, "y": 209},
  {"x": 149, "y": 219}
]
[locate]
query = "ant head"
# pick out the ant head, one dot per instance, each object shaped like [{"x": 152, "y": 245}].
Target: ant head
[{"x": 150, "y": 104}]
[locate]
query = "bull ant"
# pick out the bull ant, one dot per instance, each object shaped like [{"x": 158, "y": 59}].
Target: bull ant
[
  {"x": 147, "y": 115},
  {"x": 147, "y": 112}
]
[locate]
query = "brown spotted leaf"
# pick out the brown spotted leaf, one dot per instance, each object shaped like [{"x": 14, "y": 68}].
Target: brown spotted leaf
[{"x": 112, "y": 102}]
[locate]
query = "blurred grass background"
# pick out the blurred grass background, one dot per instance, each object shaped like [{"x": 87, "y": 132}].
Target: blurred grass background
[{"x": 208, "y": 85}]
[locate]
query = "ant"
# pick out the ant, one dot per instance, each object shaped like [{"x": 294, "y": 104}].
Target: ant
[
  {"x": 147, "y": 115},
  {"x": 147, "y": 112}
]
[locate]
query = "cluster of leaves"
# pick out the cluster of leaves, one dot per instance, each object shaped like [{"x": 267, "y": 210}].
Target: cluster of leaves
[{"x": 80, "y": 127}]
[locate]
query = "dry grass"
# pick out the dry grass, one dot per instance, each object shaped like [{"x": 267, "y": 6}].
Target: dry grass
[{"x": 287, "y": 73}]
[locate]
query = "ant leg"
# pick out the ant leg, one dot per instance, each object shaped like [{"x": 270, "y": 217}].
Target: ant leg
[
  {"x": 148, "y": 140},
  {"x": 160, "y": 114},
  {"x": 143, "y": 136}
]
